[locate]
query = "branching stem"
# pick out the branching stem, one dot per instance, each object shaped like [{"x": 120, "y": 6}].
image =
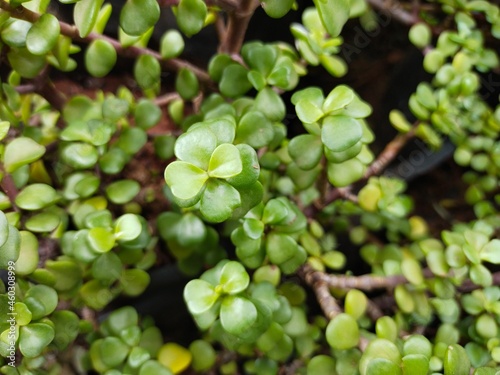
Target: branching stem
[
  {"x": 237, "y": 25},
  {"x": 395, "y": 10}
]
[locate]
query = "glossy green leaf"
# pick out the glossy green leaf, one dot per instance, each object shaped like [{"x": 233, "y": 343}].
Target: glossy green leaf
[
  {"x": 250, "y": 168},
  {"x": 342, "y": 332},
  {"x": 122, "y": 191},
  {"x": 205, "y": 142},
  {"x": 270, "y": 104},
  {"x": 491, "y": 252},
  {"x": 340, "y": 132},
  {"x": 321, "y": 365},
  {"x": 382, "y": 366},
  {"x": 234, "y": 81},
  {"x": 127, "y": 227},
  {"x": 85, "y": 15},
  {"x": 9, "y": 251},
  {"x": 199, "y": 296},
  {"x": 100, "y": 57},
  {"x": 380, "y": 349},
  {"x": 186, "y": 84},
  {"x": 185, "y": 179},
  {"x": 305, "y": 150},
  {"x": 66, "y": 327},
  {"x": 237, "y": 314},
  {"x": 134, "y": 281},
  {"x": 36, "y": 196},
  {"x": 203, "y": 355},
  {"x": 420, "y": 35},
  {"x": 355, "y": 303},
  {"x": 147, "y": 114},
  {"x": 131, "y": 140},
  {"x": 41, "y": 301},
  {"x": 334, "y": 14},
  {"x": 25, "y": 63},
  {"x": 34, "y": 338},
  {"x": 101, "y": 239},
  {"x": 386, "y": 328},
  {"x": 147, "y": 69},
  {"x": 280, "y": 248},
  {"x": 95, "y": 132},
  {"x": 80, "y": 155},
  {"x": 417, "y": 344},
  {"x": 14, "y": 34},
  {"x": 234, "y": 278},
  {"x": 153, "y": 367},
  {"x": 334, "y": 65},
  {"x": 456, "y": 361},
  {"x": 219, "y": 200},
  {"x": 43, "y": 222},
  {"x": 225, "y": 162},
  {"x": 4, "y": 228},
  {"x": 21, "y": 151},
  {"x": 255, "y": 129},
  {"x": 42, "y": 36},
  {"x": 171, "y": 44},
  {"x": 191, "y": 16},
  {"x": 345, "y": 173},
  {"x": 28, "y": 256},
  {"x": 308, "y": 111},
  {"x": 137, "y": 16}
]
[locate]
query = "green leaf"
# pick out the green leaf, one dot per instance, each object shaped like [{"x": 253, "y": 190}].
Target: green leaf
[
  {"x": 80, "y": 155},
  {"x": 456, "y": 361},
  {"x": 4, "y": 129},
  {"x": 334, "y": 14},
  {"x": 122, "y": 191},
  {"x": 184, "y": 179},
  {"x": 43, "y": 35},
  {"x": 36, "y": 196},
  {"x": 382, "y": 366},
  {"x": 101, "y": 239},
  {"x": 28, "y": 258},
  {"x": 420, "y": 35},
  {"x": 147, "y": 114},
  {"x": 237, "y": 315},
  {"x": 100, "y": 58},
  {"x": 345, "y": 173},
  {"x": 259, "y": 57},
  {"x": 171, "y": 44},
  {"x": 147, "y": 69},
  {"x": 342, "y": 332},
  {"x": 308, "y": 111},
  {"x": 219, "y": 200},
  {"x": 186, "y": 84},
  {"x": 225, "y": 162},
  {"x": 191, "y": 16},
  {"x": 234, "y": 278},
  {"x": 43, "y": 222},
  {"x": 21, "y": 151},
  {"x": 270, "y": 104},
  {"x": 200, "y": 296},
  {"x": 275, "y": 211},
  {"x": 341, "y": 132},
  {"x": 134, "y": 281},
  {"x": 67, "y": 273},
  {"x": 127, "y": 227},
  {"x": 153, "y": 367},
  {"x": 25, "y": 63},
  {"x": 234, "y": 81},
  {"x": 340, "y": 97},
  {"x": 255, "y": 129},
  {"x": 306, "y": 151},
  {"x": 132, "y": 140},
  {"x": 34, "y": 338},
  {"x": 137, "y": 16},
  {"x": 280, "y": 247},
  {"x": 85, "y": 15},
  {"x": 196, "y": 146},
  {"x": 41, "y": 301},
  {"x": 250, "y": 168},
  {"x": 203, "y": 354},
  {"x": 4, "y": 228},
  {"x": 355, "y": 303},
  {"x": 95, "y": 132},
  {"x": 14, "y": 33},
  {"x": 491, "y": 252},
  {"x": 66, "y": 326},
  {"x": 9, "y": 251},
  {"x": 277, "y": 8},
  {"x": 334, "y": 65}
]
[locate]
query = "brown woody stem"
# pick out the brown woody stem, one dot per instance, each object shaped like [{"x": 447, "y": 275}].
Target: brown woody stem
[
  {"x": 395, "y": 10},
  {"x": 237, "y": 25}
]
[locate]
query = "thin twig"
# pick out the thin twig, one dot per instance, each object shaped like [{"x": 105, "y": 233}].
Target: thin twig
[
  {"x": 390, "y": 152},
  {"x": 325, "y": 299},
  {"x": 166, "y": 99},
  {"x": 394, "y": 9},
  {"x": 132, "y": 52},
  {"x": 237, "y": 25},
  {"x": 9, "y": 187}
]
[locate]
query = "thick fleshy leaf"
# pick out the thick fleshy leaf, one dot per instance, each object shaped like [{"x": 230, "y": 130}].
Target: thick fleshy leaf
[
  {"x": 277, "y": 8},
  {"x": 270, "y": 104},
  {"x": 42, "y": 36},
  {"x": 100, "y": 57},
  {"x": 219, "y": 200},
  {"x": 225, "y": 162},
  {"x": 184, "y": 179},
  {"x": 341, "y": 132},
  {"x": 234, "y": 81},
  {"x": 137, "y": 16},
  {"x": 34, "y": 338},
  {"x": 36, "y": 196},
  {"x": 147, "y": 114},
  {"x": 66, "y": 326},
  {"x": 306, "y": 150},
  {"x": 255, "y": 129},
  {"x": 491, "y": 252},
  {"x": 175, "y": 357},
  {"x": 41, "y": 301},
  {"x": 127, "y": 227},
  {"x": 338, "y": 98},
  {"x": 345, "y": 173},
  {"x": 280, "y": 247},
  {"x": 186, "y": 84},
  {"x": 147, "y": 70},
  {"x": 101, "y": 239},
  {"x": 9, "y": 251},
  {"x": 134, "y": 281},
  {"x": 200, "y": 296},
  {"x": 21, "y": 151},
  {"x": 171, "y": 44},
  {"x": 191, "y": 16},
  {"x": 25, "y": 63},
  {"x": 85, "y": 15},
  {"x": 43, "y": 222},
  {"x": 237, "y": 314},
  {"x": 334, "y": 14},
  {"x": 96, "y": 132},
  {"x": 308, "y": 111},
  {"x": 456, "y": 361},
  {"x": 122, "y": 191},
  {"x": 250, "y": 167},
  {"x": 196, "y": 146},
  {"x": 80, "y": 155},
  {"x": 234, "y": 278}
]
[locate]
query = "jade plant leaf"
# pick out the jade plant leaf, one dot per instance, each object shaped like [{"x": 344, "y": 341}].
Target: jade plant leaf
[
  {"x": 219, "y": 200},
  {"x": 225, "y": 162},
  {"x": 147, "y": 70},
  {"x": 186, "y": 84},
  {"x": 306, "y": 150},
  {"x": 342, "y": 332},
  {"x": 174, "y": 357},
  {"x": 171, "y": 44},
  {"x": 184, "y": 179},
  {"x": 43, "y": 35},
  {"x": 36, "y": 196},
  {"x": 237, "y": 314},
  {"x": 127, "y": 227},
  {"x": 341, "y": 132},
  {"x": 137, "y": 16},
  {"x": 123, "y": 191},
  {"x": 4, "y": 228},
  {"x": 100, "y": 58},
  {"x": 334, "y": 14},
  {"x": 456, "y": 360},
  {"x": 25, "y": 63},
  {"x": 34, "y": 338},
  {"x": 101, "y": 239},
  {"x": 234, "y": 278},
  {"x": 277, "y": 8},
  {"x": 41, "y": 300},
  {"x": 9, "y": 251},
  {"x": 250, "y": 167},
  {"x": 205, "y": 141},
  {"x": 21, "y": 151},
  {"x": 191, "y": 16},
  {"x": 199, "y": 296},
  {"x": 85, "y": 15}
]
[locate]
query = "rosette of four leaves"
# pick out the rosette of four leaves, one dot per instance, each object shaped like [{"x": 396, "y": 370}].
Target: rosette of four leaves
[{"x": 212, "y": 172}]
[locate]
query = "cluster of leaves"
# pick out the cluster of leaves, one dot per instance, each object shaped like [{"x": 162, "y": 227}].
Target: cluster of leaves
[{"x": 258, "y": 213}]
